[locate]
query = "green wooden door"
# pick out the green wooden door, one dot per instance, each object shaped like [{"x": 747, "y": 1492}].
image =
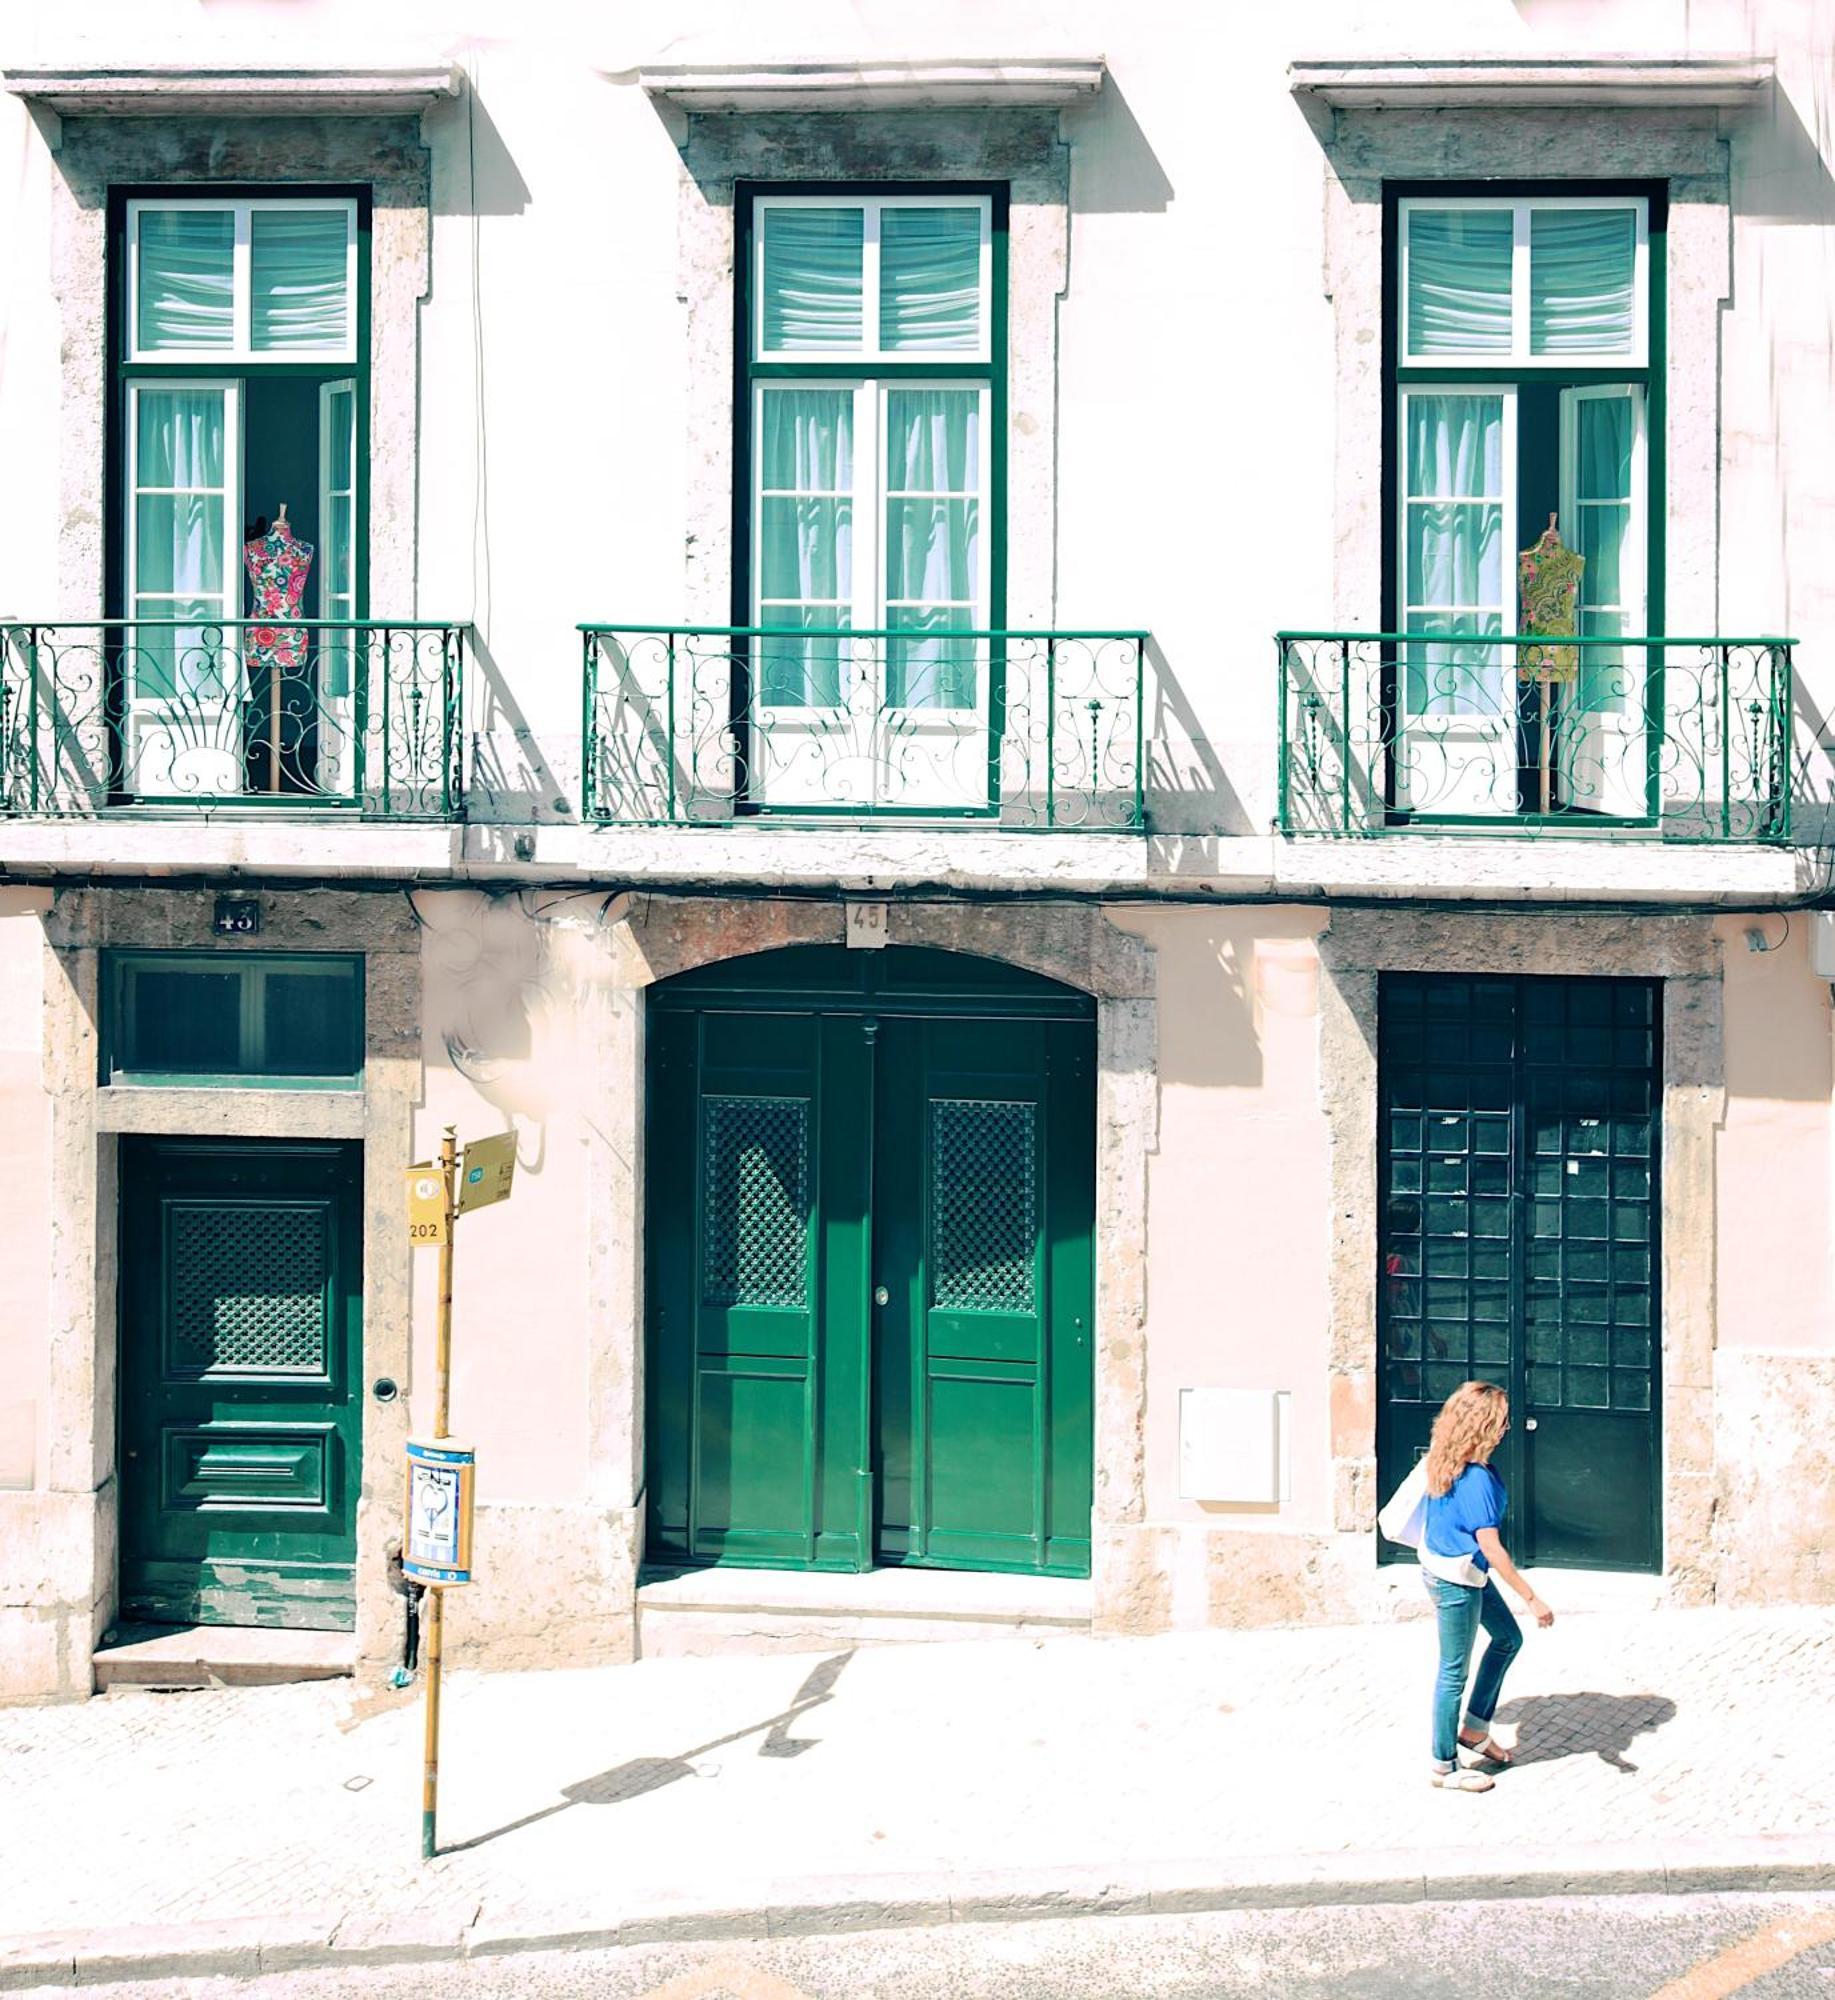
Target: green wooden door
[
  {"x": 870, "y": 1214},
  {"x": 241, "y": 1362},
  {"x": 1519, "y": 1150}
]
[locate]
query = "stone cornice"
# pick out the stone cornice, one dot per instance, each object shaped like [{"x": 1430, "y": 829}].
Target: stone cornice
[
  {"x": 180, "y": 90},
  {"x": 874, "y": 86},
  {"x": 1532, "y": 82}
]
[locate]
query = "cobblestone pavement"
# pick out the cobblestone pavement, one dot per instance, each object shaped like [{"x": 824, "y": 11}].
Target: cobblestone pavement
[{"x": 718, "y": 1780}]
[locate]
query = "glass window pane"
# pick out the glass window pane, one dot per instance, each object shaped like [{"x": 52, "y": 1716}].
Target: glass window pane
[
  {"x": 813, "y": 276},
  {"x": 187, "y": 279},
  {"x": 805, "y": 550},
  {"x": 1450, "y": 679},
  {"x": 337, "y": 553},
  {"x": 939, "y": 666},
  {"x": 933, "y": 551},
  {"x": 178, "y": 543},
  {"x": 933, "y": 441},
  {"x": 340, "y": 412},
  {"x": 1582, "y": 264},
  {"x": 1455, "y": 447},
  {"x": 808, "y": 441},
  {"x": 193, "y": 658},
  {"x": 1459, "y": 281},
  {"x": 1601, "y": 535},
  {"x": 1607, "y": 425},
  {"x": 180, "y": 438},
  {"x": 298, "y": 278},
  {"x": 186, "y": 1021},
  {"x": 930, "y": 278},
  {"x": 313, "y": 1023},
  {"x": 1455, "y": 554},
  {"x": 810, "y": 672}
]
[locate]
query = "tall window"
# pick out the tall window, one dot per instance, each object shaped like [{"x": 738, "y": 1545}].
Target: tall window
[
  {"x": 1523, "y": 356},
  {"x": 239, "y": 370},
  {"x": 870, "y": 380}
]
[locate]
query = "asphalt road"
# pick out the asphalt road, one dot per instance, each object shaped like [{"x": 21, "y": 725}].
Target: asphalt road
[{"x": 1628, "y": 1948}]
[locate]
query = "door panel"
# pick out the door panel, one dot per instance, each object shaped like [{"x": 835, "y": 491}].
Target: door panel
[
  {"x": 1518, "y": 1244},
  {"x": 871, "y": 1282},
  {"x": 241, "y": 1363}
]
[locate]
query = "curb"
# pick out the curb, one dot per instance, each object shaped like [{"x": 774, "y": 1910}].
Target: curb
[{"x": 793, "y": 1907}]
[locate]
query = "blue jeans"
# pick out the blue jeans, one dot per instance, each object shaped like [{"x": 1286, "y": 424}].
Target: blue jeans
[{"x": 1461, "y": 1610}]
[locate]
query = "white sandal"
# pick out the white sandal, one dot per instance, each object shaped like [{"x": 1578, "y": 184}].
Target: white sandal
[
  {"x": 1463, "y": 1781},
  {"x": 1488, "y": 1750}
]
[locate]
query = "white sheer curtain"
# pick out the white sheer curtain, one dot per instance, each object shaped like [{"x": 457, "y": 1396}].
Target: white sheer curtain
[
  {"x": 930, "y": 279},
  {"x": 1582, "y": 271},
  {"x": 814, "y": 261},
  {"x": 181, "y": 536},
  {"x": 933, "y": 545},
  {"x": 1459, "y": 281},
  {"x": 805, "y": 556},
  {"x": 298, "y": 278},
  {"x": 187, "y": 279},
  {"x": 1605, "y": 439},
  {"x": 1455, "y": 568}
]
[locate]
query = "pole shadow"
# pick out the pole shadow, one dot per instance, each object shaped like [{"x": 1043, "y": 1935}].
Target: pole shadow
[
  {"x": 1552, "y": 1726},
  {"x": 640, "y": 1775}
]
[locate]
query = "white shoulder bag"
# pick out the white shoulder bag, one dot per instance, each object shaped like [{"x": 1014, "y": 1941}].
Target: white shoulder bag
[{"x": 1404, "y": 1520}]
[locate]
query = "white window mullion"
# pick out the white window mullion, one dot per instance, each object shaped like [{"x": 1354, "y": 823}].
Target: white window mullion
[
  {"x": 1510, "y": 617},
  {"x": 869, "y": 514},
  {"x": 1519, "y": 282},
  {"x": 870, "y": 301},
  {"x": 244, "y": 286}
]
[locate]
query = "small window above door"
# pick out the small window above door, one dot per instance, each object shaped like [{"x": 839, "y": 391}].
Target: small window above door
[
  {"x": 237, "y": 1018},
  {"x": 242, "y": 281}
]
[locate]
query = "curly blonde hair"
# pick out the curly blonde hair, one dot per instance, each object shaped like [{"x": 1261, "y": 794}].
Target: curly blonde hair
[{"x": 1469, "y": 1428}]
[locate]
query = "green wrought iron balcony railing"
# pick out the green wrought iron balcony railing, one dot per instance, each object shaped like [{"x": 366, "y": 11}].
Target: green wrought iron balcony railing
[
  {"x": 1677, "y": 739},
  {"x": 362, "y": 714},
  {"x": 1037, "y": 731}
]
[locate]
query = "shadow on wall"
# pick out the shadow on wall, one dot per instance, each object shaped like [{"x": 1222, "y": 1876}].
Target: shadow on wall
[
  {"x": 509, "y": 773},
  {"x": 1187, "y": 790},
  {"x": 491, "y": 184},
  {"x": 1113, "y": 167}
]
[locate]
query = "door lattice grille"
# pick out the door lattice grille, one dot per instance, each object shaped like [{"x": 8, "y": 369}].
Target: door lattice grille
[
  {"x": 249, "y": 1289},
  {"x": 755, "y": 1201},
  {"x": 983, "y": 1205}
]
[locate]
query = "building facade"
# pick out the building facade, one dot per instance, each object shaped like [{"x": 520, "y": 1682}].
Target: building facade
[{"x": 946, "y": 668}]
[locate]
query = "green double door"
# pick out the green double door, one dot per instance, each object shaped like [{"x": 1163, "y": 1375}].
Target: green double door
[
  {"x": 870, "y": 1191},
  {"x": 1519, "y": 1151},
  {"x": 240, "y": 1382}
]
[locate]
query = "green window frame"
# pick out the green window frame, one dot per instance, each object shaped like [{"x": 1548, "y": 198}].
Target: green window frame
[
  {"x": 211, "y": 426},
  {"x": 887, "y": 355},
  {"x": 202, "y": 1019},
  {"x": 1550, "y": 386}
]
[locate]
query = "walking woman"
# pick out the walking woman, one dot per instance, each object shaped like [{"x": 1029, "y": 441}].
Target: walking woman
[{"x": 1462, "y": 1558}]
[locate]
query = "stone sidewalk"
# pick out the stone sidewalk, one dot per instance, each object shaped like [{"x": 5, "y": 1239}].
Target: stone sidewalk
[{"x": 905, "y": 1784}]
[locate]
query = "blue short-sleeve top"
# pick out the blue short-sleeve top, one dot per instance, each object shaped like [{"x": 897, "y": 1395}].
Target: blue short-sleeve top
[{"x": 1477, "y": 1500}]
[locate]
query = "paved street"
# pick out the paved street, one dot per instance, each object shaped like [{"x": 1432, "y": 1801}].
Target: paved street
[
  {"x": 952, "y": 1772},
  {"x": 1680, "y": 1948}
]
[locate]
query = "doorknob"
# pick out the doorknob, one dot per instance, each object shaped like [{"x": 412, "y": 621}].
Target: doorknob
[
  {"x": 881, "y": 1297},
  {"x": 1529, "y": 1423}
]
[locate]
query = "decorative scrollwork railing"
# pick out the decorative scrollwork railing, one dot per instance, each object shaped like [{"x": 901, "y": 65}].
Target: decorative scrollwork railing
[
  {"x": 1038, "y": 731},
  {"x": 245, "y": 713},
  {"x": 1681, "y": 739}
]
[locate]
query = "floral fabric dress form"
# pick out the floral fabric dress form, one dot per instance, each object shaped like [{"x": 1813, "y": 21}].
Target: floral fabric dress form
[
  {"x": 1548, "y": 577},
  {"x": 277, "y": 563}
]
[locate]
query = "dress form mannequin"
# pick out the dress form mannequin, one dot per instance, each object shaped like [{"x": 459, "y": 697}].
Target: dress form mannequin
[
  {"x": 277, "y": 563},
  {"x": 1548, "y": 580}
]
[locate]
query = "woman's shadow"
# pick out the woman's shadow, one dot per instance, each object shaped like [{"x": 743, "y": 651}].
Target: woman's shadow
[{"x": 1549, "y": 1726}]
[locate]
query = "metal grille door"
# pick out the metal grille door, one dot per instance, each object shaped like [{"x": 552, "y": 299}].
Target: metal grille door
[{"x": 1518, "y": 1244}]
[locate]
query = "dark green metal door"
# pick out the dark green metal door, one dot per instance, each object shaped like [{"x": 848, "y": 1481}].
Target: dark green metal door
[
  {"x": 1518, "y": 1243},
  {"x": 241, "y": 1362},
  {"x": 870, "y": 1203}
]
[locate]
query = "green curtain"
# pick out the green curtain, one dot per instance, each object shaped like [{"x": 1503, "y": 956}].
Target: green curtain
[
  {"x": 1582, "y": 264},
  {"x": 180, "y": 540},
  {"x": 1459, "y": 281},
  {"x": 813, "y": 274},
  {"x": 933, "y": 529},
  {"x": 930, "y": 279},
  {"x": 805, "y": 554},
  {"x": 1455, "y": 559},
  {"x": 298, "y": 278}
]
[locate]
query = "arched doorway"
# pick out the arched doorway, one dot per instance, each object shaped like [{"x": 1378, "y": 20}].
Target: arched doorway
[{"x": 870, "y": 1197}]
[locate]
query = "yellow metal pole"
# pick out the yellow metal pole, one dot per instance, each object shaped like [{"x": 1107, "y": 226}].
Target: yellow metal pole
[{"x": 434, "y": 1602}]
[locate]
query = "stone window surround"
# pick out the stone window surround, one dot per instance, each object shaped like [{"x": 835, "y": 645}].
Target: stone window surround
[
  {"x": 1685, "y": 148},
  {"x": 94, "y": 155},
  {"x": 1020, "y": 145},
  {"x": 1681, "y": 952},
  {"x": 86, "y": 1121}
]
